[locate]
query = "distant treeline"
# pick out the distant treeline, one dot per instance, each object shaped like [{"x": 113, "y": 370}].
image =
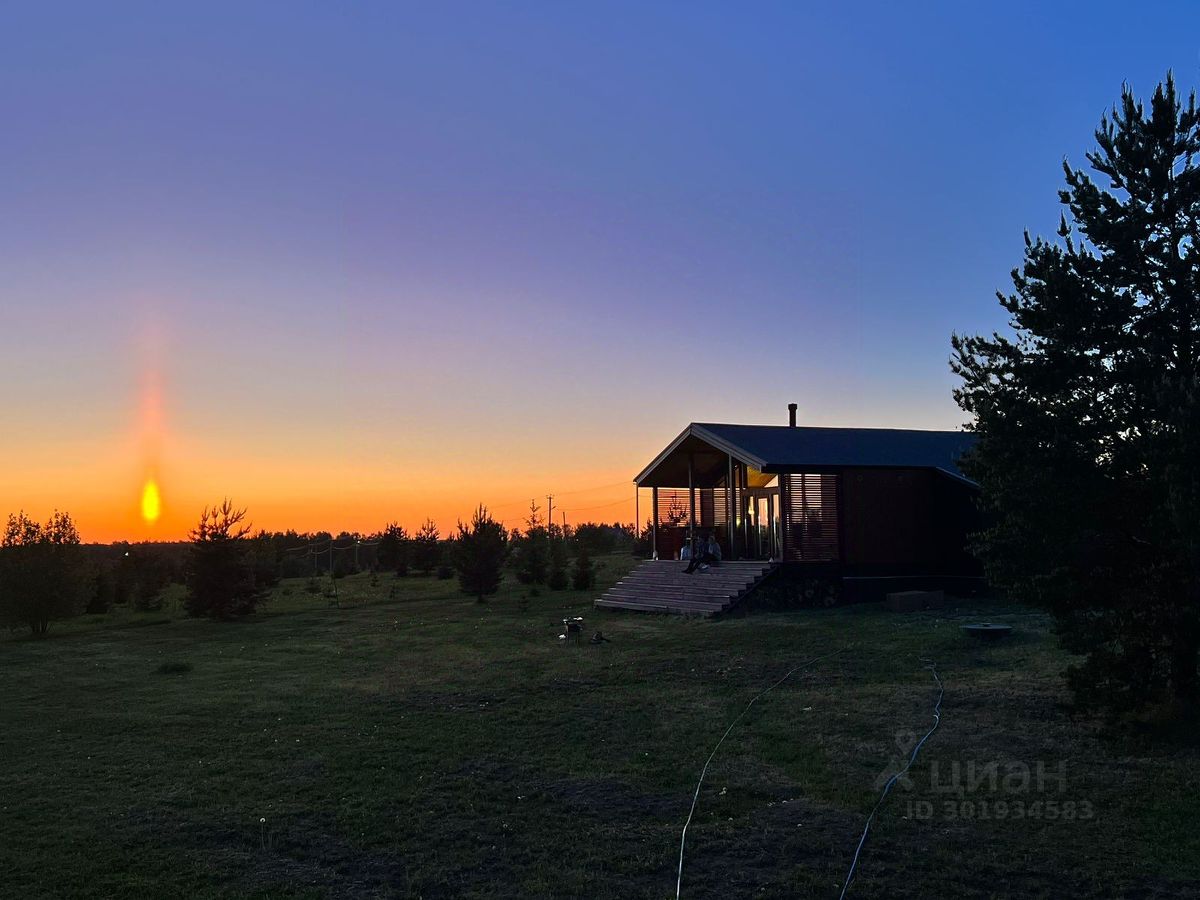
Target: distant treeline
[
  {"x": 140, "y": 570},
  {"x": 47, "y": 573}
]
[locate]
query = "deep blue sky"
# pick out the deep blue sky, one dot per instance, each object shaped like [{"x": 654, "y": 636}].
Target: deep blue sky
[{"x": 370, "y": 235}]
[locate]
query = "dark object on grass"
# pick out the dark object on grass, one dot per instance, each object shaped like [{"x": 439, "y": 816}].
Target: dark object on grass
[
  {"x": 574, "y": 630},
  {"x": 986, "y": 631},
  {"x": 599, "y": 638},
  {"x": 174, "y": 668}
]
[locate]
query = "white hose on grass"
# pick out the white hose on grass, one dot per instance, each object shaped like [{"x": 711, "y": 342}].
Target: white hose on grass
[
  {"x": 704, "y": 771},
  {"x": 937, "y": 720}
]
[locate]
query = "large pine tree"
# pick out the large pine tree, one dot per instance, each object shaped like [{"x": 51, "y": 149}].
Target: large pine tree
[{"x": 1089, "y": 414}]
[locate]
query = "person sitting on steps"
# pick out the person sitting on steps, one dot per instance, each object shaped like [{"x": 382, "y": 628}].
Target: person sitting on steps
[
  {"x": 713, "y": 550},
  {"x": 706, "y": 553}
]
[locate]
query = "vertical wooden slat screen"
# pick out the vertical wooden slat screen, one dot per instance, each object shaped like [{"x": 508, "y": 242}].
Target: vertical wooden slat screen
[
  {"x": 716, "y": 507},
  {"x": 674, "y": 506},
  {"x": 811, "y": 508}
]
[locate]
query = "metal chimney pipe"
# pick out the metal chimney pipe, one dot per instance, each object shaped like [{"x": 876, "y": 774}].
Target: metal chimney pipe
[{"x": 792, "y": 415}]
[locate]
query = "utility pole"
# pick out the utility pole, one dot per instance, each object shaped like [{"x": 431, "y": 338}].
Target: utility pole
[{"x": 549, "y": 510}]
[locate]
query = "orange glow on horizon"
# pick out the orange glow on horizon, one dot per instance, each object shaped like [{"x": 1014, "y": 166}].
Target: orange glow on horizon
[
  {"x": 281, "y": 496},
  {"x": 160, "y": 453}
]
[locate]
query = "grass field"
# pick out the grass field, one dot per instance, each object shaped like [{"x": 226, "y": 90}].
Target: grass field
[{"x": 413, "y": 743}]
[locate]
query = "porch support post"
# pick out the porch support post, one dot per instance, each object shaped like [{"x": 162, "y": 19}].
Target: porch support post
[
  {"x": 772, "y": 535},
  {"x": 742, "y": 511},
  {"x": 691, "y": 499},
  {"x": 731, "y": 509},
  {"x": 654, "y": 522},
  {"x": 637, "y": 515}
]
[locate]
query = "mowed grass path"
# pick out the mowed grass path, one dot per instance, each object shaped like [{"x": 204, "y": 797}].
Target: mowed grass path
[{"x": 413, "y": 743}]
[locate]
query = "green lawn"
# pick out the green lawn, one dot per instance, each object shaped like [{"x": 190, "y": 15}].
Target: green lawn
[{"x": 413, "y": 743}]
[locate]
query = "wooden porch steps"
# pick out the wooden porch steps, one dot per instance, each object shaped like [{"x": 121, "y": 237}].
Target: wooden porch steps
[{"x": 663, "y": 586}]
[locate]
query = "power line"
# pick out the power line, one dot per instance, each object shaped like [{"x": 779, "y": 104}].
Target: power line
[
  {"x": 575, "y": 509},
  {"x": 601, "y": 487},
  {"x": 330, "y": 545},
  {"x": 493, "y": 507}
]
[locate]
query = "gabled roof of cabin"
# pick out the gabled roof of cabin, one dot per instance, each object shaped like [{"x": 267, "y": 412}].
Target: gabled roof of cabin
[{"x": 782, "y": 448}]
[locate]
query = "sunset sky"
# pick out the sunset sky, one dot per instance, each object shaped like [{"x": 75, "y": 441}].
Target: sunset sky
[{"x": 348, "y": 263}]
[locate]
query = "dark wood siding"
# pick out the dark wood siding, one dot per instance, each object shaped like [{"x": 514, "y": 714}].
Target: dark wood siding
[
  {"x": 906, "y": 521},
  {"x": 888, "y": 519}
]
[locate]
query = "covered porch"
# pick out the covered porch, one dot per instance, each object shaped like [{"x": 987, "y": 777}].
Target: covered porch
[{"x": 701, "y": 485}]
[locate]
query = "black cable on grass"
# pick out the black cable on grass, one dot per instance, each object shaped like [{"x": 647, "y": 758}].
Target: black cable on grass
[
  {"x": 937, "y": 720},
  {"x": 704, "y": 771}
]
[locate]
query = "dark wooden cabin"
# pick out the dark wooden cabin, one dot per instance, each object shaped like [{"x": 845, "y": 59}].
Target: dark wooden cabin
[{"x": 860, "y": 504}]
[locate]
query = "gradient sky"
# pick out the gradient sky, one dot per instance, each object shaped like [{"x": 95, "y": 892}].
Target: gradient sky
[{"x": 347, "y": 263}]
